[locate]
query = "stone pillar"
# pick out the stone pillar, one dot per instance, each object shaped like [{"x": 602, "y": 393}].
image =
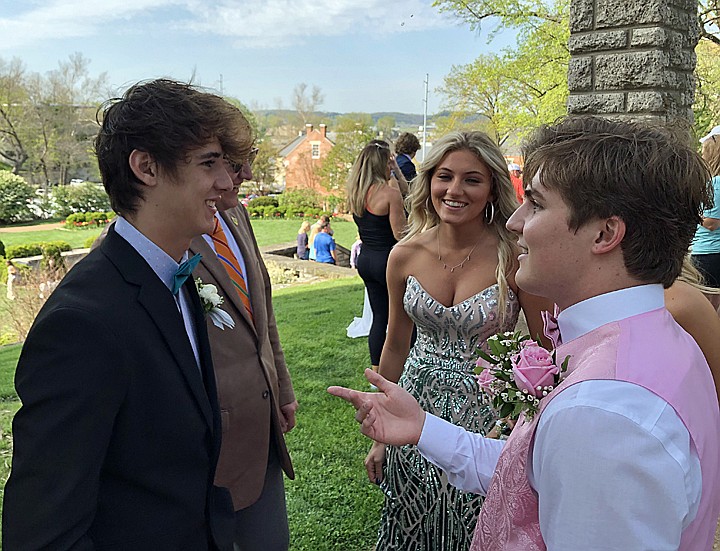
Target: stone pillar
[{"x": 633, "y": 58}]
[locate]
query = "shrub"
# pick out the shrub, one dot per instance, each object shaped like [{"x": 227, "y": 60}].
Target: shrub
[
  {"x": 85, "y": 219},
  {"x": 89, "y": 241},
  {"x": 15, "y": 198},
  {"x": 36, "y": 249},
  {"x": 300, "y": 200},
  {"x": 265, "y": 201},
  {"x": 87, "y": 197}
]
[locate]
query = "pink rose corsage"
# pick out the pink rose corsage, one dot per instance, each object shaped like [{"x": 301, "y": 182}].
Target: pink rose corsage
[{"x": 516, "y": 373}]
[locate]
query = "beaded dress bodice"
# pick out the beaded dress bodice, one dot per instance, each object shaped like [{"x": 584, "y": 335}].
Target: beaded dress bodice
[{"x": 422, "y": 510}]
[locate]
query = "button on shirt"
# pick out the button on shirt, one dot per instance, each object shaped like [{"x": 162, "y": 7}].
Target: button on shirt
[
  {"x": 653, "y": 490},
  {"x": 164, "y": 267}
]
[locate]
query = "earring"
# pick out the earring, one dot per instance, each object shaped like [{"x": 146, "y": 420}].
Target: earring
[
  {"x": 491, "y": 216},
  {"x": 427, "y": 204}
]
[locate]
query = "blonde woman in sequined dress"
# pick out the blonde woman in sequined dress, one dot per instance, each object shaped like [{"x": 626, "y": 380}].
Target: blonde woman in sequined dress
[{"x": 453, "y": 277}]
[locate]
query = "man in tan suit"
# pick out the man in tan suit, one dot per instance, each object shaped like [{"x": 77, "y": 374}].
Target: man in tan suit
[{"x": 256, "y": 396}]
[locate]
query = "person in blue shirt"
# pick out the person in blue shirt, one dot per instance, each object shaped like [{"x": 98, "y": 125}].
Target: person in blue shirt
[
  {"x": 706, "y": 243},
  {"x": 325, "y": 245}
]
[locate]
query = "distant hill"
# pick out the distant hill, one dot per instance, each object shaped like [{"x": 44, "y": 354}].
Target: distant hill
[{"x": 401, "y": 119}]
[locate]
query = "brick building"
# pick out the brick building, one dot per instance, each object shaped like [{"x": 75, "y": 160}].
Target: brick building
[{"x": 300, "y": 160}]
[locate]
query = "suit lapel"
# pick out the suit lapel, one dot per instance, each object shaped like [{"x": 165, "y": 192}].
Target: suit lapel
[
  {"x": 161, "y": 307},
  {"x": 218, "y": 272},
  {"x": 256, "y": 284}
]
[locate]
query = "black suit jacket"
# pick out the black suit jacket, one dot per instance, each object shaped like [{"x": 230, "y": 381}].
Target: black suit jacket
[
  {"x": 117, "y": 440},
  {"x": 407, "y": 167}
]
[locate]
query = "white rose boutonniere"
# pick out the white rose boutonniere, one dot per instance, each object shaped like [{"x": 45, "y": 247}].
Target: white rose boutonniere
[{"x": 211, "y": 301}]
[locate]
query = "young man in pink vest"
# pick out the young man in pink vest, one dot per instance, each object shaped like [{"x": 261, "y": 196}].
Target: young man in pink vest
[{"x": 625, "y": 451}]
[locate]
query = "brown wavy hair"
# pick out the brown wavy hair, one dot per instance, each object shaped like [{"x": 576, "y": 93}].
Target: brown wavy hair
[
  {"x": 166, "y": 119},
  {"x": 647, "y": 176}
]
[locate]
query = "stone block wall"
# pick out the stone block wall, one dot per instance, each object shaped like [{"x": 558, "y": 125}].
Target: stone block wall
[{"x": 633, "y": 59}]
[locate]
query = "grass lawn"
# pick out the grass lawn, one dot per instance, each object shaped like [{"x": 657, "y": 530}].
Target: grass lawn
[
  {"x": 331, "y": 504},
  {"x": 268, "y": 232},
  {"x": 76, "y": 237}
]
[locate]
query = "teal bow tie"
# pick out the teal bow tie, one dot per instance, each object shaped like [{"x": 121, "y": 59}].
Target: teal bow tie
[{"x": 183, "y": 272}]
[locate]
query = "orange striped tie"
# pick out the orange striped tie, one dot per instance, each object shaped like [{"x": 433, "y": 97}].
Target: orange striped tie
[{"x": 232, "y": 266}]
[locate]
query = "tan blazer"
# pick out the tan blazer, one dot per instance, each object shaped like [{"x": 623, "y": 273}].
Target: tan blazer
[{"x": 252, "y": 378}]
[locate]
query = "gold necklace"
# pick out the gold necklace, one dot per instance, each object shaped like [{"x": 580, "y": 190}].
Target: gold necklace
[{"x": 461, "y": 264}]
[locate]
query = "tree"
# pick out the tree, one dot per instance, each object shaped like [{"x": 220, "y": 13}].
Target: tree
[
  {"x": 707, "y": 93},
  {"x": 263, "y": 168},
  {"x": 306, "y": 102},
  {"x": 13, "y": 114},
  {"x": 47, "y": 122},
  {"x": 522, "y": 87},
  {"x": 15, "y": 198},
  {"x": 354, "y": 131},
  {"x": 385, "y": 126},
  {"x": 709, "y": 20}
]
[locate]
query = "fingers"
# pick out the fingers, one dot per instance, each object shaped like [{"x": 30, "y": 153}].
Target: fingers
[
  {"x": 349, "y": 395},
  {"x": 370, "y": 468},
  {"x": 374, "y": 463},
  {"x": 379, "y": 381},
  {"x": 363, "y": 412}
]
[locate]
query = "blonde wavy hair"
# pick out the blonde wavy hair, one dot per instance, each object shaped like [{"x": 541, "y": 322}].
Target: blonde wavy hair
[
  {"x": 369, "y": 168},
  {"x": 422, "y": 214},
  {"x": 711, "y": 154}
]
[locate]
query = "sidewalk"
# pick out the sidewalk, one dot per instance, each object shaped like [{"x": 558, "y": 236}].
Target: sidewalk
[{"x": 37, "y": 227}]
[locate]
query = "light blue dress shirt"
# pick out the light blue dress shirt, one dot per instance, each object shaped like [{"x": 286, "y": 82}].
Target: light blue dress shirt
[{"x": 164, "y": 267}]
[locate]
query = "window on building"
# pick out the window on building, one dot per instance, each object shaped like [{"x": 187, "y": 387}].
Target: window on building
[{"x": 315, "y": 149}]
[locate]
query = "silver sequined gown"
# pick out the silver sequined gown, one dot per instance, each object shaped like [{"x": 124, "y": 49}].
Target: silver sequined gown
[{"x": 422, "y": 511}]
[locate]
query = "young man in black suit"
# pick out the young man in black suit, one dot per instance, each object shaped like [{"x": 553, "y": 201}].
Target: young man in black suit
[{"x": 117, "y": 441}]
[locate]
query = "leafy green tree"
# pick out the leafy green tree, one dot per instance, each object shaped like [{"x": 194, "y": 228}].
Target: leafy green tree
[
  {"x": 707, "y": 93},
  {"x": 521, "y": 87},
  {"x": 354, "y": 131},
  {"x": 264, "y": 167},
  {"x": 709, "y": 20},
  {"x": 15, "y": 198}
]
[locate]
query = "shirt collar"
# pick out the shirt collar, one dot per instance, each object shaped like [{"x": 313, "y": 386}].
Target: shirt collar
[
  {"x": 585, "y": 316},
  {"x": 161, "y": 263}
]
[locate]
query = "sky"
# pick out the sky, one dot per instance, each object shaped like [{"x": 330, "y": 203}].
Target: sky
[{"x": 365, "y": 55}]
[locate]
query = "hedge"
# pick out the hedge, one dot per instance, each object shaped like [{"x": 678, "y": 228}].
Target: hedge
[
  {"x": 85, "y": 219},
  {"x": 37, "y": 249}
]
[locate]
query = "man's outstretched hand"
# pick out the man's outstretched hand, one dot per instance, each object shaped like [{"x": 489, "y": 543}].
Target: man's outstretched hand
[{"x": 391, "y": 415}]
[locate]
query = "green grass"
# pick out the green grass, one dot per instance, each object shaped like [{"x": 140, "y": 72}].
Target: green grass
[
  {"x": 268, "y": 232},
  {"x": 331, "y": 504},
  {"x": 8, "y": 360},
  {"x": 76, "y": 237}
]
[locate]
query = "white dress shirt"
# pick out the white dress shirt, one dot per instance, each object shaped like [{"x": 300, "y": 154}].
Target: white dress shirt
[{"x": 612, "y": 462}]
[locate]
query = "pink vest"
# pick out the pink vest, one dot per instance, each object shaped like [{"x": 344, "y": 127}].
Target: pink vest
[{"x": 650, "y": 350}]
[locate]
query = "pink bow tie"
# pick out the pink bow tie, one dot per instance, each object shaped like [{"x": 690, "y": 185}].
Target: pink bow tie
[{"x": 550, "y": 326}]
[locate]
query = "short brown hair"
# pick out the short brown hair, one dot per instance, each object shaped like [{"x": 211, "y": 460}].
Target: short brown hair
[
  {"x": 407, "y": 144},
  {"x": 166, "y": 119},
  {"x": 644, "y": 175}
]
